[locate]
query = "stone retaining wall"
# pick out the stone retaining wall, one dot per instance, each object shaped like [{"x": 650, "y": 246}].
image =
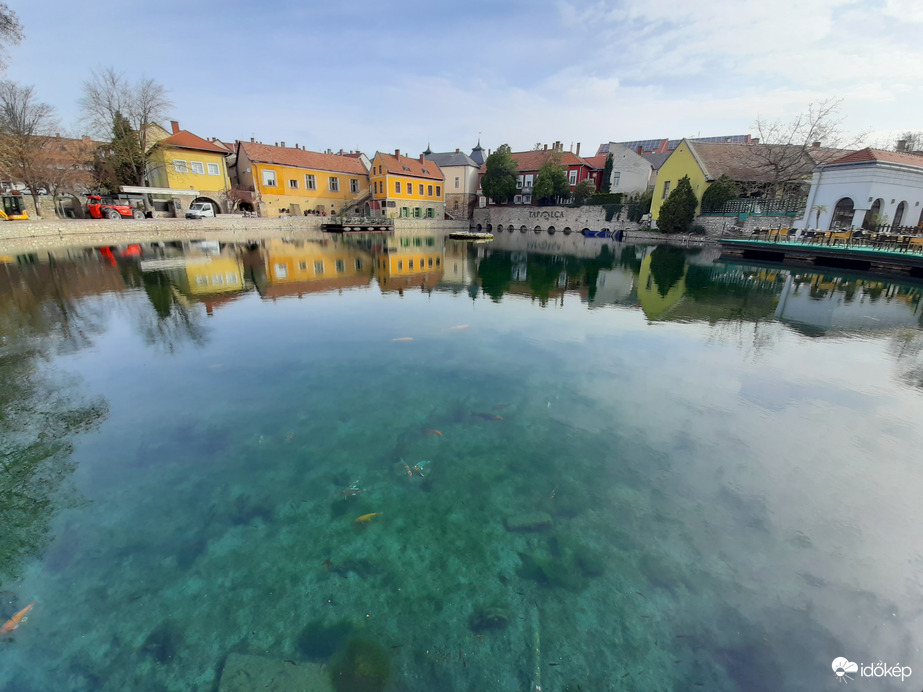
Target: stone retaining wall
[
  {"x": 718, "y": 226},
  {"x": 574, "y": 218}
]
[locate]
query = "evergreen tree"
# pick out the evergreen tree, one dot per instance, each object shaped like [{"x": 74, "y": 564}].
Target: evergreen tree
[
  {"x": 606, "y": 185},
  {"x": 678, "y": 212},
  {"x": 499, "y": 179},
  {"x": 722, "y": 190},
  {"x": 640, "y": 206}
]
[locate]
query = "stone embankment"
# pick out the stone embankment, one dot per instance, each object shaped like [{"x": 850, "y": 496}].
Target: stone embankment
[{"x": 35, "y": 234}]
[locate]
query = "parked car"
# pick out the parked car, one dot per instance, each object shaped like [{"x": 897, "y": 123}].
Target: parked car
[{"x": 200, "y": 210}]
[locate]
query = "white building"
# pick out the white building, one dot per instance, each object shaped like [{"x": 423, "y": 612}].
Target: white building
[
  {"x": 851, "y": 190},
  {"x": 631, "y": 172},
  {"x": 461, "y": 181}
]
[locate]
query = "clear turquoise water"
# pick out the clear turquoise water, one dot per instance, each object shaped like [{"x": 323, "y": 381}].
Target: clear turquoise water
[{"x": 720, "y": 464}]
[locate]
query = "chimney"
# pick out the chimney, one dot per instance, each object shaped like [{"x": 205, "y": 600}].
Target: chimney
[
  {"x": 283, "y": 145},
  {"x": 296, "y": 145},
  {"x": 456, "y": 150},
  {"x": 57, "y": 135},
  {"x": 422, "y": 160},
  {"x": 397, "y": 152},
  {"x": 546, "y": 148},
  {"x": 251, "y": 141},
  {"x": 578, "y": 148},
  {"x": 640, "y": 150},
  {"x": 175, "y": 125},
  {"x": 902, "y": 145},
  {"x": 754, "y": 140},
  {"x": 815, "y": 144}
]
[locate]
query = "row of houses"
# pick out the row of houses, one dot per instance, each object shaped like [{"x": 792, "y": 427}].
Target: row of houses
[{"x": 798, "y": 186}]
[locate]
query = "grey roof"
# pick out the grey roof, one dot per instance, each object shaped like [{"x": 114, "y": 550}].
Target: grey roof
[
  {"x": 477, "y": 155},
  {"x": 451, "y": 158},
  {"x": 656, "y": 160}
]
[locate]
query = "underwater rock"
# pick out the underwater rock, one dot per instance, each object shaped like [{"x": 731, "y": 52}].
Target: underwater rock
[
  {"x": 488, "y": 618},
  {"x": 243, "y": 673},
  {"x": 164, "y": 643},
  {"x": 318, "y": 641},
  {"x": 362, "y": 667},
  {"x": 529, "y": 521},
  {"x": 551, "y": 572}
]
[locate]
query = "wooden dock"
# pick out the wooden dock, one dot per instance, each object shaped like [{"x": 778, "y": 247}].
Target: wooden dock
[{"x": 854, "y": 259}]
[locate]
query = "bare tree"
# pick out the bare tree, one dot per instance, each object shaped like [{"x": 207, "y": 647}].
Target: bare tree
[
  {"x": 10, "y": 32},
  {"x": 25, "y": 129},
  {"x": 110, "y": 99},
  {"x": 789, "y": 150}
]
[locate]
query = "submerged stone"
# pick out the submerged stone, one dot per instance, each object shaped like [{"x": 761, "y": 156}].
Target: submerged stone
[
  {"x": 362, "y": 667},
  {"x": 488, "y": 618},
  {"x": 529, "y": 521},
  {"x": 319, "y": 641}
]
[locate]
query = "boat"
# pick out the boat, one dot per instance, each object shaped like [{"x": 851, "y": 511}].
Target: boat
[
  {"x": 605, "y": 233},
  {"x": 469, "y": 235}
]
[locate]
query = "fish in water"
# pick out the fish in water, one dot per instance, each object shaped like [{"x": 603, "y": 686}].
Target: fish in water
[
  {"x": 460, "y": 326},
  {"x": 352, "y": 491},
  {"x": 366, "y": 518},
  {"x": 434, "y": 432},
  {"x": 15, "y": 621},
  {"x": 487, "y": 416},
  {"x": 403, "y": 338}
]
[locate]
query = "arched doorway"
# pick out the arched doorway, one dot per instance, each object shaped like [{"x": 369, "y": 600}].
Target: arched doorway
[
  {"x": 215, "y": 205},
  {"x": 842, "y": 214},
  {"x": 873, "y": 215},
  {"x": 899, "y": 214}
]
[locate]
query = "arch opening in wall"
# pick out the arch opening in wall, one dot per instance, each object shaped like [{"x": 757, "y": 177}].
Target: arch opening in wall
[
  {"x": 842, "y": 214},
  {"x": 873, "y": 215},
  {"x": 551, "y": 230},
  {"x": 489, "y": 228},
  {"x": 523, "y": 229},
  {"x": 899, "y": 214},
  {"x": 537, "y": 229},
  {"x": 567, "y": 230},
  {"x": 479, "y": 228},
  {"x": 215, "y": 205}
]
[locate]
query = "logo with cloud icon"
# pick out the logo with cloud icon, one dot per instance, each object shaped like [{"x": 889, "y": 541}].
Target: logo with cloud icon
[{"x": 842, "y": 666}]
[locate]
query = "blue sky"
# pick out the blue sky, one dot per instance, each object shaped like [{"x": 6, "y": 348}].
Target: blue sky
[{"x": 398, "y": 75}]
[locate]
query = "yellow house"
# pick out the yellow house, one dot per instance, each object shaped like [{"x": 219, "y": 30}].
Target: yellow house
[
  {"x": 184, "y": 161},
  {"x": 683, "y": 161},
  {"x": 282, "y": 180},
  {"x": 406, "y": 187},
  {"x": 301, "y": 267}
]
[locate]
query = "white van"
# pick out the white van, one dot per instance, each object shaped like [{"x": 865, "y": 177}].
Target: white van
[{"x": 200, "y": 210}]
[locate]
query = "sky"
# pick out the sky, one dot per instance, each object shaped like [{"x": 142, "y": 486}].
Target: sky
[{"x": 379, "y": 76}]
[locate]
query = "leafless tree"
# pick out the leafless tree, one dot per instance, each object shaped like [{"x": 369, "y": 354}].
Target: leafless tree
[
  {"x": 25, "y": 129},
  {"x": 10, "y": 32},
  {"x": 109, "y": 94},
  {"x": 789, "y": 150}
]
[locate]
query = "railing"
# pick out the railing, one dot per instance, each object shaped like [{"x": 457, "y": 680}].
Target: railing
[{"x": 757, "y": 207}]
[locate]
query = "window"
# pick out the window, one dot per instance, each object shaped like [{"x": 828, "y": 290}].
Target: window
[
  {"x": 341, "y": 265},
  {"x": 519, "y": 182},
  {"x": 517, "y": 199},
  {"x": 666, "y": 189},
  {"x": 572, "y": 178},
  {"x": 439, "y": 191},
  {"x": 353, "y": 185},
  {"x": 527, "y": 199},
  {"x": 281, "y": 271},
  {"x": 429, "y": 212},
  {"x": 310, "y": 182},
  {"x": 429, "y": 190},
  {"x": 333, "y": 183},
  {"x": 456, "y": 204},
  {"x": 410, "y": 264},
  {"x": 405, "y": 212},
  {"x": 456, "y": 183},
  {"x": 197, "y": 167},
  {"x": 615, "y": 178},
  {"x": 358, "y": 265},
  {"x": 269, "y": 178},
  {"x": 429, "y": 262},
  {"x": 293, "y": 184},
  {"x": 400, "y": 265},
  {"x": 318, "y": 267},
  {"x": 529, "y": 182},
  {"x": 180, "y": 166},
  {"x": 416, "y": 212},
  {"x": 438, "y": 261},
  {"x": 397, "y": 187},
  {"x": 303, "y": 266},
  {"x": 421, "y": 190},
  {"x": 213, "y": 168}
]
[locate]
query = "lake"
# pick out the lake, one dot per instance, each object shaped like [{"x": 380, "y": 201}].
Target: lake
[{"x": 542, "y": 462}]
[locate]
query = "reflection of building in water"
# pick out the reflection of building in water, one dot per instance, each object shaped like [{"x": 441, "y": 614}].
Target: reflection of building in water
[
  {"x": 204, "y": 272},
  {"x": 661, "y": 281},
  {"x": 460, "y": 265},
  {"x": 816, "y": 303},
  {"x": 296, "y": 268},
  {"x": 410, "y": 259},
  {"x": 612, "y": 286}
]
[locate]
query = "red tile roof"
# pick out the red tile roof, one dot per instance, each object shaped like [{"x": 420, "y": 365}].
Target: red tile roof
[
  {"x": 597, "y": 161},
  {"x": 300, "y": 158},
  {"x": 404, "y": 165},
  {"x": 869, "y": 154},
  {"x": 528, "y": 161},
  {"x": 184, "y": 139}
]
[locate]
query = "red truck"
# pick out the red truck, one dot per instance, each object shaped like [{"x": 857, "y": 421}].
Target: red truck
[{"x": 101, "y": 207}]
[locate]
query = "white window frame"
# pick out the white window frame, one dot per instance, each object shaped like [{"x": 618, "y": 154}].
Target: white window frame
[
  {"x": 572, "y": 178},
  {"x": 529, "y": 179},
  {"x": 616, "y": 176},
  {"x": 197, "y": 167},
  {"x": 213, "y": 168},
  {"x": 456, "y": 182},
  {"x": 179, "y": 166},
  {"x": 310, "y": 181},
  {"x": 517, "y": 199},
  {"x": 269, "y": 178},
  {"x": 293, "y": 183},
  {"x": 519, "y": 183},
  {"x": 333, "y": 183},
  {"x": 397, "y": 187},
  {"x": 527, "y": 199}
]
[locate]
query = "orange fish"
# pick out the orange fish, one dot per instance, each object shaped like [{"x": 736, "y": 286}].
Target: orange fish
[
  {"x": 487, "y": 416},
  {"x": 403, "y": 338},
  {"x": 14, "y": 621},
  {"x": 365, "y": 518},
  {"x": 435, "y": 432},
  {"x": 460, "y": 326}
]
